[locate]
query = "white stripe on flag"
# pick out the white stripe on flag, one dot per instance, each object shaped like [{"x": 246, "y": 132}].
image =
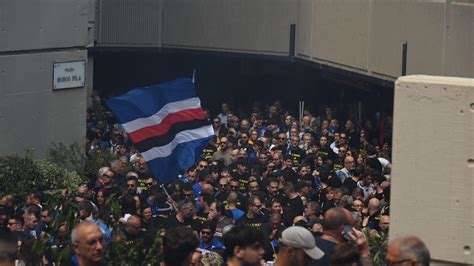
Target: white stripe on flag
[
  {"x": 173, "y": 107},
  {"x": 181, "y": 137}
]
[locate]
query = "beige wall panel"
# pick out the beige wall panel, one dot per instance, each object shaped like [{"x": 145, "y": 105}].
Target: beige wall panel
[
  {"x": 42, "y": 24},
  {"x": 340, "y": 32},
  {"x": 424, "y": 26},
  {"x": 31, "y": 113},
  {"x": 420, "y": 23},
  {"x": 304, "y": 28},
  {"x": 247, "y": 26},
  {"x": 130, "y": 23},
  {"x": 276, "y": 20},
  {"x": 460, "y": 40},
  {"x": 387, "y": 37},
  {"x": 432, "y": 177}
]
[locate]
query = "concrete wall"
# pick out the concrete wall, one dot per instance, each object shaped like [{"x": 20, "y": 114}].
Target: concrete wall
[
  {"x": 42, "y": 24},
  {"x": 226, "y": 25},
  {"x": 31, "y": 113},
  {"x": 433, "y": 165},
  {"x": 129, "y": 23},
  {"x": 33, "y": 36},
  {"x": 363, "y": 36},
  {"x": 366, "y": 36}
]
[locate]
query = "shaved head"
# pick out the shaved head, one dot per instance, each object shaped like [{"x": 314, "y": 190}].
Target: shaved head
[{"x": 335, "y": 218}]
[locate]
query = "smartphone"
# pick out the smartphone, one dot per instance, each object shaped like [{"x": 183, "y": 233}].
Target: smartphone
[{"x": 346, "y": 231}]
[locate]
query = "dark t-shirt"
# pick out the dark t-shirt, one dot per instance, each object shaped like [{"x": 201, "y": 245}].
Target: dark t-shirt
[
  {"x": 243, "y": 180},
  {"x": 282, "y": 149},
  {"x": 209, "y": 151},
  {"x": 349, "y": 184},
  {"x": 297, "y": 156},
  {"x": 334, "y": 181},
  {"x": 327, "y": 247},
  {"x": 294, "y": 207},
  {"x": 222, "y": 197},
  {"x": 192, "y": 224},
  {"x": 255, "y": 222}
]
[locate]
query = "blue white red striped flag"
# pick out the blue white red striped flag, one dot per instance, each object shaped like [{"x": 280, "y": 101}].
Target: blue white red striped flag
[{"x": 166, "y": 124}]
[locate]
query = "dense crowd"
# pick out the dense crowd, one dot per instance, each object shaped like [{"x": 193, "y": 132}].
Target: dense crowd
[{"x": 266, "y": 176}]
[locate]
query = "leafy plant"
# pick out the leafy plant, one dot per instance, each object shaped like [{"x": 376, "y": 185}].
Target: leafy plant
[
  {"x": 378, "y": 246},
  {"x": 72, "y": 157}
]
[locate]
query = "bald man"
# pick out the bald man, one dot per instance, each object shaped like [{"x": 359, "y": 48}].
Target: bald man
[
  {"x": 88, "y": 244},
  {"x": 334, "y": 221},
  {"x": 408, "y": 250},
  {"x": 372, "y": 220}
]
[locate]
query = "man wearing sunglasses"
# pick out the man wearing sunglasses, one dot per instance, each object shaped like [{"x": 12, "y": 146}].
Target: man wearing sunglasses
[
  {"x": 223, "y": 152},
  {"x": 209, "y": 243},
  {"x": 254, "y": 217}
]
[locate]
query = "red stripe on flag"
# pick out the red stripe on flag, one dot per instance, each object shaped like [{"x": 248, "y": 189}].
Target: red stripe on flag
[{"x": 161, "y": 129}]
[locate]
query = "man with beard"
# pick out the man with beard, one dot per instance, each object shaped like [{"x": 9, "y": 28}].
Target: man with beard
[
  {"x": 217, "y": 216},
  {"x": 254, "y": 216},
  {"x": 141, "y": 168},
  {"x": 347, "y": 171},
  {"x": 208, "y": 242},
  {"x": 223, "y": 152},
  {"x": 233, "y": 187},
  {"x": 129, "y": 200},
  {"x": 185, "y": 217},
  {"x": 297, "y": 248},
  {"x": 273, "y": 190},
  {"x": 282, "y": 144},
  {"x": 243, "y": 246}
]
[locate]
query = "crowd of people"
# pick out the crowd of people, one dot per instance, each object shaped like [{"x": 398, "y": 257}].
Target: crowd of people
[{"x": 270, "y": 188}]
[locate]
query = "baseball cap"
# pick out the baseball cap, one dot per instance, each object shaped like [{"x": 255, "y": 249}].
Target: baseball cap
[{"x": 300, "y": 237}]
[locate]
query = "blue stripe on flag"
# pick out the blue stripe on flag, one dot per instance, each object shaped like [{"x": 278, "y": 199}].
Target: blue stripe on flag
[
  {"x": 146, "y": 101},
  {"x": 183, "y": 156}
]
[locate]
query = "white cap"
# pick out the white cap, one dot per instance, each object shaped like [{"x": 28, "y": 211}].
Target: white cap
[{"x": 300, "y": 237}]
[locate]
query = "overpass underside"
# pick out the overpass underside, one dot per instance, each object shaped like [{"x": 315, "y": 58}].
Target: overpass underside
[
  {"x": 311, "y": 48},
  {"x": 243, "y": 79}
]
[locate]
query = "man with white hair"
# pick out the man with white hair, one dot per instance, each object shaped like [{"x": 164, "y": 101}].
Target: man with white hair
[
  {"x": 104, "y": 179},
  {"x": 408, "y": 250},
  {"x": 88, "y": 244}
]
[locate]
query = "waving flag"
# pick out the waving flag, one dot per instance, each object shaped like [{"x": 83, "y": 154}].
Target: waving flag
[{"x": 166, "y": 124}]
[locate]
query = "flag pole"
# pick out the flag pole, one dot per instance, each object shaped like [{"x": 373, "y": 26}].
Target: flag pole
[
  {"x": 194, "y": 75},
  {"x": 169, "y": 197}
]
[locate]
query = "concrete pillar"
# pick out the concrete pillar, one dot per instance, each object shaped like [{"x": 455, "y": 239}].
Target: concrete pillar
[{"x": 433, "y": 165}]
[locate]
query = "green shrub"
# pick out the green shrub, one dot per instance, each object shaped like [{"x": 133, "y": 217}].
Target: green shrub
[{"x": 21, "y": 175}]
